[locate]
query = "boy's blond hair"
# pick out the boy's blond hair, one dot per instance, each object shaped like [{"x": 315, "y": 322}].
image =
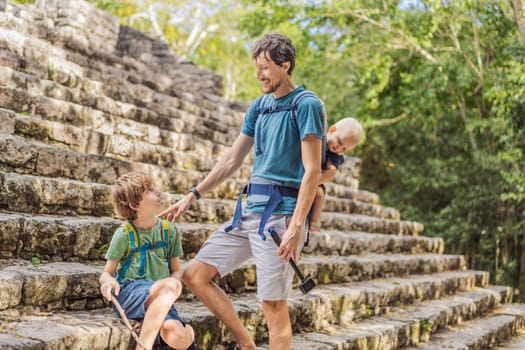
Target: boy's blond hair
[{"x": 127, "y": 192}]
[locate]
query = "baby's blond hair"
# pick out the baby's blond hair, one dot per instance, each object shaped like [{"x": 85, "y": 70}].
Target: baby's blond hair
[{"x": 352, "y": 127}]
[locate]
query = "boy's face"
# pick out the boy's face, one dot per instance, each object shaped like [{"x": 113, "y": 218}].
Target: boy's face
[
  {"x": 338, "y": 141},
  {"x": 270, "y": 74},
  {"x": 151, "y": 202}
]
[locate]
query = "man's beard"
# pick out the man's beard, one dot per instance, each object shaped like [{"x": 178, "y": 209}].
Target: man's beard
[{"x": 272, "y": 88}]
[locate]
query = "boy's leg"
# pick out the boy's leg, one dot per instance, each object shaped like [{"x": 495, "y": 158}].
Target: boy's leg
[
  {"x": 163, "y": 294},
  {"x": 221, "y": 253},
  {"x": 177, "y": 335},
  {"x": 317, "y": 209}
]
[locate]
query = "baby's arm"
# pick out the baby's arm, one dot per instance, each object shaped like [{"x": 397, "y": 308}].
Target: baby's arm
[{"x": 328, "y": 173}]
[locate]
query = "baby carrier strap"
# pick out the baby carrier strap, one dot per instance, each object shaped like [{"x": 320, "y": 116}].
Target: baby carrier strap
[
  {"x": 133, "y": 247},
  {"x": 262, "y": 110},
  {"x": 275, "y": 194}
]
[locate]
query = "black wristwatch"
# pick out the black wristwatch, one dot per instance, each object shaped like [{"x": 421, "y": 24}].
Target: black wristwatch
[{"x": 196, "y": 193}]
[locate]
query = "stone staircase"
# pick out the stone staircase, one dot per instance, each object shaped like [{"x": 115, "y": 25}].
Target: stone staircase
[{"x": 84, "y": 100}]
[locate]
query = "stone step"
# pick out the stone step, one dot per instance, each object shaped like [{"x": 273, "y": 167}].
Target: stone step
[
  {"x": 29, "y": 157},
  {"x": 81, "y": 130},
  {"x": 351, "y": 242},
  {"x": 325, "y": 311},
  {"x": 170, "y": 127},
  {"x": 156, "y": 104},
  {"x": 52, "y": 101},
  {"x": 60, "y": 285},
  {"x": 67, "y": 330},
  {"x": 364, "y": 223},
  {"x": 58, "y": 238},
  {"x": 410, "y": 325},
  {"x": 135, "y": 57},
  {"x": 488, "y": 332},
  {"x": 41, "y": 66},
  {"x": 351, "y": 191},
  {"x": 515, "y": 343},
  {"x": 25, "y": 156},
  {"x": 343, "y": 205},
  {"x": 45, "y": 195}
]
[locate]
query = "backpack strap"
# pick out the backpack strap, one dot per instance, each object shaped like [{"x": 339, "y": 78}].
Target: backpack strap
[
  {"x": 133, "y": 247},
  {"x": 166, "y": 245},
  {"x": 297, "y": 99},
  {"x": 133, "y": 241},
  {"x": 261, "y": 110}
]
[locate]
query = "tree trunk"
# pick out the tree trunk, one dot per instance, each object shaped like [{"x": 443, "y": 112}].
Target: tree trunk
[
  {"x": 522, "y": 270},
  {"x": 517, "y": 9}
]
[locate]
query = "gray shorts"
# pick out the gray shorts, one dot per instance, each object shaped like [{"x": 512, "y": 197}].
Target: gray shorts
[{"x": 226, "y": 251}]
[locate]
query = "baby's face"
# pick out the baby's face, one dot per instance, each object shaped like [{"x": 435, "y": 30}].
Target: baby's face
[{"x": 339, "y": 142}]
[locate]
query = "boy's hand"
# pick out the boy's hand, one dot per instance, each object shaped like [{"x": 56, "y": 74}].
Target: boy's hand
[
  {"x": 109, "y": 285},
  {"x": 174, "y": 212}
]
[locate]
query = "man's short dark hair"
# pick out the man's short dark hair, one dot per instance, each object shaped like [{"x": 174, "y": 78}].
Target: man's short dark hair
[{"x": 278, "y": 46}]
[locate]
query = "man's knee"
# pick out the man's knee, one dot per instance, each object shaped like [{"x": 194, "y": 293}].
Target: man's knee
[
  {"x": 198, "y": 273},
  {"x": 274, "y": 306}
]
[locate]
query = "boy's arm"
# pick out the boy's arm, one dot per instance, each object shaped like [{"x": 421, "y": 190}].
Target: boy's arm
[
  {"x": 108, "y": 283},
  {"x": 175, "y": 270}
]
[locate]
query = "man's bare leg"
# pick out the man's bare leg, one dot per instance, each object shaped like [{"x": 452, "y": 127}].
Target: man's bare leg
[
  {"x": 279, "y": 327},
  {"x": 197, "y": 276}
]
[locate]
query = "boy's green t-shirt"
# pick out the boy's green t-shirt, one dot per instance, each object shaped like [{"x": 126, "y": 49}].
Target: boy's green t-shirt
[{"x": 156, "y": 263}]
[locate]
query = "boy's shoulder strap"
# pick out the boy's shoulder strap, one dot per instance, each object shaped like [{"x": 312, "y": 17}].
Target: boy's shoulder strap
[
  {"x": 133, "y": 237},
  {"x": 166, "y": 238},
  {"x": 133, "y": 246}
]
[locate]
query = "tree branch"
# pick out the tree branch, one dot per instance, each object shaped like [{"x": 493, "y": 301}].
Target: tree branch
[{"x": 408, "y": 39}]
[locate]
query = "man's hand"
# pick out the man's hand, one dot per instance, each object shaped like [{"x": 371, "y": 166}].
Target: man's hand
[
  {"x": 289, "y": 243},
  {"x": 174, "y": 212},
  {"x": 110, "y": 284}
]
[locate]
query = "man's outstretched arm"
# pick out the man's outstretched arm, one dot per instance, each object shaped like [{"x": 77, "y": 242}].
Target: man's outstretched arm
[{"x": 224, "y": 169}]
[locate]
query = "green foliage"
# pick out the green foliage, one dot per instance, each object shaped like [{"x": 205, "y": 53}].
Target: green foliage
[
  {"x": 103, "y": 249},
  {"x": 426, "y": 325},
  {"x": 23, "y": 2},
  {"x": 36, "y": 260}
]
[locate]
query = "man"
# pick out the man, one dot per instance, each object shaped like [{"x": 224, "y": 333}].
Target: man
[{"x": 287, "y": 158}]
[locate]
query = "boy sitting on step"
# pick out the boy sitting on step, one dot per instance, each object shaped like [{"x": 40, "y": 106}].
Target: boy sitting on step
[
  {"x": 143, "y": 267},
  {"x": 342, "y": 136}
]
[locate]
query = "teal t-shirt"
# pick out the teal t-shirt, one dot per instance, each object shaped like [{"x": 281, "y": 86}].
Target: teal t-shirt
[
  {"x": 281, "y": 160},
  {"x": 156, "y": 263}
]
